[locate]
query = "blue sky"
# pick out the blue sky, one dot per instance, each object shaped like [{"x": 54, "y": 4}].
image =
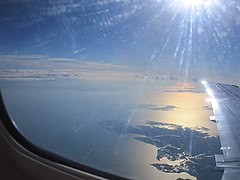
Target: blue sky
[{"x": 157, "y": 36}]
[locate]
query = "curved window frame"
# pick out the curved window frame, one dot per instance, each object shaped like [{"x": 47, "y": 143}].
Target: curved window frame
[{"x": 87, "y": 171}]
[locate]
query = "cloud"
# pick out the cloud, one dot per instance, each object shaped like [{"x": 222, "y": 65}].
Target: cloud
[
  {"x": 185, "y": 87},
  {"x": 167, "y": 78},
  {"x": 184, "y": 91},
  {"x": 164, "y": 108},
  {"x": 53, "y": 74},
  {"x": 156, "y": 77},
  {"x": 40, "y": 67},
  {"x": 79, "y": 50},
  {"x": 207, "y": 108},
  {"x": 7, "y": 58},
  {"x": 153, "y": 107}
]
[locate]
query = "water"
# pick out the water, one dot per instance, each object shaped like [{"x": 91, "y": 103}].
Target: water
[{"x": 125, "y": 128}]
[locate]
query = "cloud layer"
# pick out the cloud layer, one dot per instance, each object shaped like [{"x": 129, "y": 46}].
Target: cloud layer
[
  {"x": 185, "y": 87},
  {"x": 153, "y": 107},
  {"x": 37, "y": 67}
]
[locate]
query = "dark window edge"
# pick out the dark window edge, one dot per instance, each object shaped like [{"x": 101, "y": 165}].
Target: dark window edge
[{"x": 43, "y": 153}]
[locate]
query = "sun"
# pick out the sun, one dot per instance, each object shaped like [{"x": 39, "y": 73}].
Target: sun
[
  {"x": 191, "y": 3},
  {"x": 196, "y": 3}
]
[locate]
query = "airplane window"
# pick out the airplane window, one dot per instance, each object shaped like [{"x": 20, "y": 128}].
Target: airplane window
[{"x": 116, "y": 84}]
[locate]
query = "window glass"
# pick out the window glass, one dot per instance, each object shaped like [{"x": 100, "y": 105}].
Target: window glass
[{"x": 115, "y": 84}]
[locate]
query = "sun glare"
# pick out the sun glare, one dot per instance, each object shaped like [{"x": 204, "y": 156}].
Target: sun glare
[
  {"x": 196, "y": 3},
  {"x": 191, "y": 3}
]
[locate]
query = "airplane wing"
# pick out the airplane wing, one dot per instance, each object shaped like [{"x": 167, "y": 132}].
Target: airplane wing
[{"x": 225, "y": 101}]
